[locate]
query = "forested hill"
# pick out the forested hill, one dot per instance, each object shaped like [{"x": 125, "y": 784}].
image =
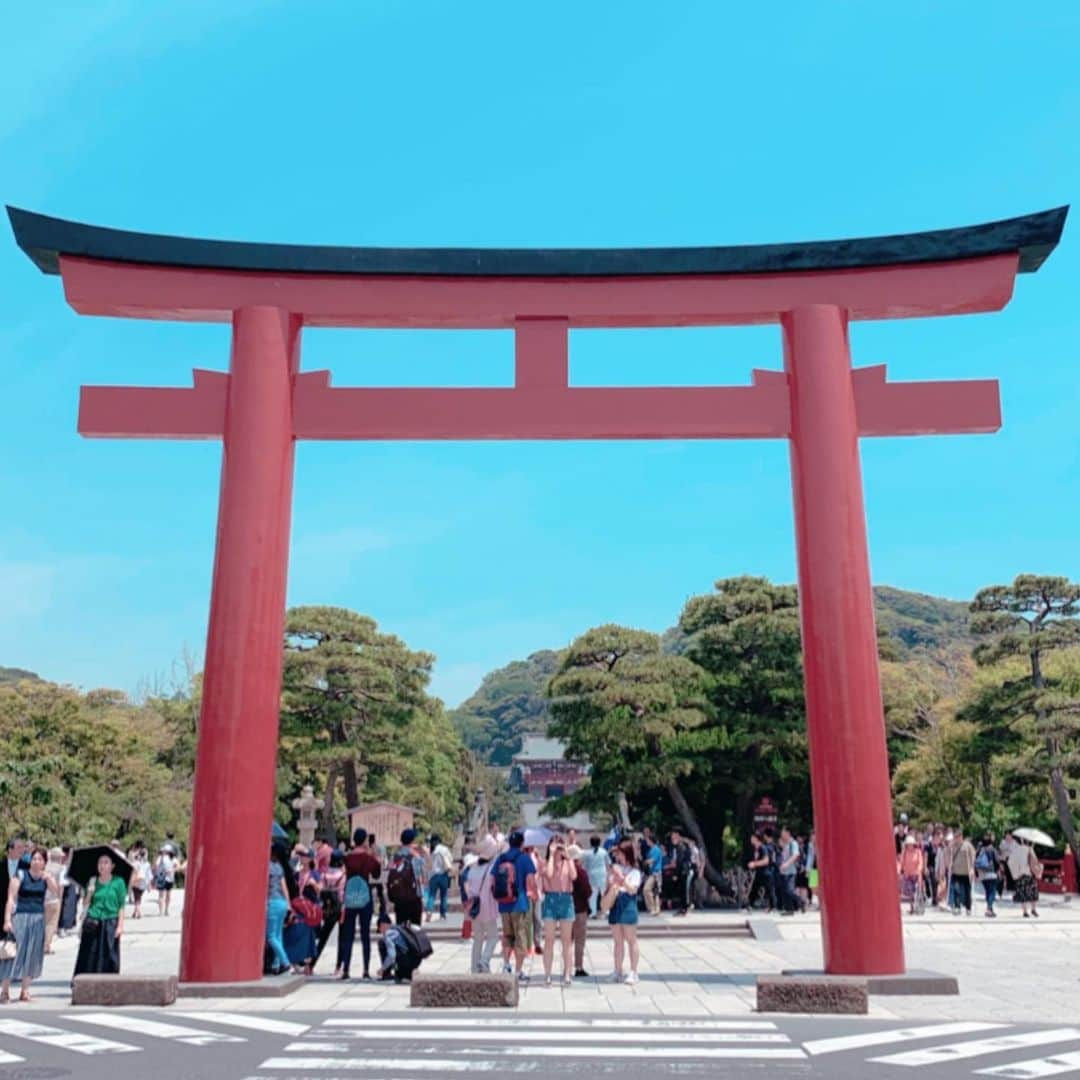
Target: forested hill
[
  {"x": 511, "y": 701},
  {"x": 15, "y": 674}
]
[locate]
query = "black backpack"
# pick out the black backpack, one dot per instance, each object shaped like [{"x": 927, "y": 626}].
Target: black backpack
[
  {"x": 401, "y": 879},
  {"x": 419, "y": 943}
]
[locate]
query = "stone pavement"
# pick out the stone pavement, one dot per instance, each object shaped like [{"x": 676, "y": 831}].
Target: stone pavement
[{"x": 1007, "y": 967}]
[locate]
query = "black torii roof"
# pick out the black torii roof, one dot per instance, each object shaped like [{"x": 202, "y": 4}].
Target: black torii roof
[{"x": 45, "y": 239}]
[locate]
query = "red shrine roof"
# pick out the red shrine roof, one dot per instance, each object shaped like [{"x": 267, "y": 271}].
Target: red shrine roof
[{"x": 45, "y": 239}]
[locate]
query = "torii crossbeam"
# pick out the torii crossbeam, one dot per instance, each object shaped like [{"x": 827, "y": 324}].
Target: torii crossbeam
[{"x": 269, "y": 292}]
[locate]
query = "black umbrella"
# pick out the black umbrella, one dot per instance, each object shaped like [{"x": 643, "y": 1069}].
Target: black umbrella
[{"x": 84, "y": 862}]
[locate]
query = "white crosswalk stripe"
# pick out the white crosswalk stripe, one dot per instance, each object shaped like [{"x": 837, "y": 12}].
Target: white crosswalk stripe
[
  {"x": 544, "y": 1023},
  {"x": 246, "y": 1020},
  {"x": 66, "y": 1040},
  {"x": 939, "y": 1055},
  {"x": 139, "y": 1025},
  {"x": 1055, "y": 1065},
  {"x": 838, "y": 1043},
  {"x": 9, "y": 1059},
  {"x": 523, "y": 1034}
]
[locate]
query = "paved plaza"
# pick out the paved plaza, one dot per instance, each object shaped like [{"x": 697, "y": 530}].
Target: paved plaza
[{"x": 1007, "y": 967}]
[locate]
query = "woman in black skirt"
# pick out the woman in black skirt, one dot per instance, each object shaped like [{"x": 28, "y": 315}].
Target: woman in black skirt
[{"x": 103, "y": 926}]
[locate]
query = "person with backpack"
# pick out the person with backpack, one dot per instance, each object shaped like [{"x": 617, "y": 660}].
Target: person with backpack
[
  {"x": 481, "y": 906},
  {"x": 165, "y": 870},
  {"x": 357, "y": 905},
  {"x": 439, "y": 883},
  {"x": 510, "y": 889},
  {"x": 399, "y": 952},
  {"x": 405, "y": 881},
  {"x": 987, "y": 866}
]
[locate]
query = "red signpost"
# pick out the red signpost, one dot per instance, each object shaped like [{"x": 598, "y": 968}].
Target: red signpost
[{"x": 259, "y": 409}]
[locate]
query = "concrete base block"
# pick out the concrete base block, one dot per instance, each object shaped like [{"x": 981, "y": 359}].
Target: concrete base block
[
  {"x": 270, "y": 986},
  {"x": 811, "y": 994},
  {"x": 458, "y": 991},
  {"x": 108, "y": 990},
  {"x": 911, "y": 982}
]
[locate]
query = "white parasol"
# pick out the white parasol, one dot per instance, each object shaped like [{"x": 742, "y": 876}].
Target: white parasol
[{"x": 1034, "y": 836}]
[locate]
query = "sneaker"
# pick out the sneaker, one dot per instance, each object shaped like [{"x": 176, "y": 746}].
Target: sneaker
[
  {"x": 631, "y": 979},
  {"x": 523, "y": 976},
  {"x": 581, "y": 973},
  {"x": 616, "y": 977},
  {"x": 508, "y": 969},
  {"x": 547, "y": 982},
  {"x": 568, "y": 979}
]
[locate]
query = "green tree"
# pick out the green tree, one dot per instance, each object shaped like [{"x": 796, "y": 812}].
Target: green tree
[
  {"x": 746, "y": 636},
  {"x": 631, "y": 712},
  {"x": 346, "y": 687},
  {"x": 81, "y": 768},
  {"x": 1034, "y": 618}
]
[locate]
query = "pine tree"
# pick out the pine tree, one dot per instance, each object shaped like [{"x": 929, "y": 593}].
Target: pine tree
[{"x": 1034, "y": 617}]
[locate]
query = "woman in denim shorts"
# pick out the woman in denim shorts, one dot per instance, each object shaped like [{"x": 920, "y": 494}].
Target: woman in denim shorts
[
  {"x": 624, "y": 879},
  {"x": 558, "y": 875}
]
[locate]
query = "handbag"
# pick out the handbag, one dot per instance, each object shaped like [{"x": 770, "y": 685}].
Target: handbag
[
  {"x": 9, "y": 947},
  {"x": 466, "y": 929}
]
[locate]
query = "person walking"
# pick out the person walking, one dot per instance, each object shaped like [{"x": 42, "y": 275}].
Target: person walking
[
  {"x": 510, "y": 889},
  {"x": 481, "y": 907},
  {"x": 682, "y": 859},
  {"x": 103, "y": 921},
  {"x": 24, "y": 917},
  {"x": 358, "y": 904},
  {"x": 910, "y": 866},
  {"x": 53, "y": 901},
  {"x": 790, "y": 855},
  {"x": 582, "y": 891},
  {"x": 988, "y": 868},
  {"x": 1026, "y": 871},
  {"x": 962, "y": 869},
  {"x": 69, "y": 904},
  {"x": 557, "y": 909},
  {"x": 624, "y": 880},
  {"x": 811, "y": 865},
  {"x": 277, "y": 906},
  {"x": 760, "y": 864},
  {"x": 165, "y": 869},
  {"x": 405, "y": 881},
  {"x": 654, "y": 872},
  {"x": 442, "y": 860},
  {"x": 139, "y": 858}
]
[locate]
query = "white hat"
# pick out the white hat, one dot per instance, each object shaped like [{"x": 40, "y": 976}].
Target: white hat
[
  {"x": 909, "y": 839},
  {"x": 488, "y": 848}
]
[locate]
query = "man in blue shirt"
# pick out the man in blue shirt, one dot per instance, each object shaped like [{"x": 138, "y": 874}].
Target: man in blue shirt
[
  {"x": 654, "y": 871},
  {"x": 510, "y": 881}
]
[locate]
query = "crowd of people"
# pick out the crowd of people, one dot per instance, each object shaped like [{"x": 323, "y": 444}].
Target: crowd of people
[
  {"x": 942, "y": 865},
  {"x": 521, "y": 895},
  {"x": 42, "y": 900}
]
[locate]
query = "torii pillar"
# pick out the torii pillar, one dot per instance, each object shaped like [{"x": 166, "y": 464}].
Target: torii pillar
[{"x": 269, "y": 292}]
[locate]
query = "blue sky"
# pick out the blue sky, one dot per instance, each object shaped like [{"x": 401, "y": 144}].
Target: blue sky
[{"x": 502, "y": 124}]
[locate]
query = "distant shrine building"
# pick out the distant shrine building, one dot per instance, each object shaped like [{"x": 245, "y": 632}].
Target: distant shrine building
[{"x": 541, "y": 772}]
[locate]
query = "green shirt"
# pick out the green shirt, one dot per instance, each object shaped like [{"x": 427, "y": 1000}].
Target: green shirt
[{"x": 108, "y": 899}]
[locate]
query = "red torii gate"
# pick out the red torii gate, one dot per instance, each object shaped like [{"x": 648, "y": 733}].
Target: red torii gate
[{"x": 269, "y": 292}]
